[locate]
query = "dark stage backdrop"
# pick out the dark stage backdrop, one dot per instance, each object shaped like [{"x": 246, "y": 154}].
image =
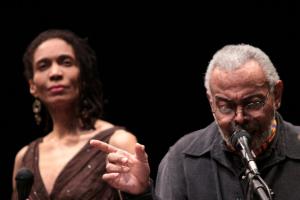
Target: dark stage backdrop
[{"x": 152, "y": 59}]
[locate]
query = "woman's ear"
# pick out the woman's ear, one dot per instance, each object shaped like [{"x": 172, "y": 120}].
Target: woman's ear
[{"x": 32, "y": 87}]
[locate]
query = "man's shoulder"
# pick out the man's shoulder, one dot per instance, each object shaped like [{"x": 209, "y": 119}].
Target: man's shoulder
[
  {"x": 197, "y": 141},
  {"x": 291, "y": 127},
  {"x": 291, "y": 135},
  {"x": 291, "y": 131}
]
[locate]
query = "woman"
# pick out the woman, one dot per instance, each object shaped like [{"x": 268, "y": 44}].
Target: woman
[{"x": 61, "y": 71}]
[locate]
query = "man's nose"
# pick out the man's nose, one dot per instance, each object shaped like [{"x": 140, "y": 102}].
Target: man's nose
[{"x": 239, "y": 115}]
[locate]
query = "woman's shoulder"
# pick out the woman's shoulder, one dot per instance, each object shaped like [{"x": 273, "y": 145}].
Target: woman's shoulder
[
  {"x": 21, "y": 153},
  {"x": 121, "y": 138},
  {"x": 102, "y": 125},
  {"x": 19, "y": 159}
]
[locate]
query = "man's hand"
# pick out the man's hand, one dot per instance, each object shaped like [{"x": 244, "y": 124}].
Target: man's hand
[{"x": 125, "y": 171}]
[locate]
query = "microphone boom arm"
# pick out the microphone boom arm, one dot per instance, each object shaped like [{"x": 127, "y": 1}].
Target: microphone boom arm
[{"x": 259, "y": 186}]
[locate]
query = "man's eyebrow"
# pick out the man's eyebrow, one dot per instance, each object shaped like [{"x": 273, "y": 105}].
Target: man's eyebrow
[
  {"x": 221, "y": 98},
  {"x": 253, "y": 96}
]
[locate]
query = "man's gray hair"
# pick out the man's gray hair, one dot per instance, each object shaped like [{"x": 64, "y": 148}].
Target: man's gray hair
[{"x": 232, "y": 57}]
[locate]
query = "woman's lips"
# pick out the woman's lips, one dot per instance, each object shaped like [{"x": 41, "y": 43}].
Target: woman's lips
[{"x": 57, "y": 89}]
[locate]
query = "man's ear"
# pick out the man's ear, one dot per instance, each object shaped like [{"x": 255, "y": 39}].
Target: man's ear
[
  {"x": 210, "y": 100},
  {"x": 278, "y": 89},
  {"x": 32, "y": 88}
]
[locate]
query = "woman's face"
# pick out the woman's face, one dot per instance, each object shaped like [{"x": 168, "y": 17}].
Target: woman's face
[{"x": 55, "y": 73}]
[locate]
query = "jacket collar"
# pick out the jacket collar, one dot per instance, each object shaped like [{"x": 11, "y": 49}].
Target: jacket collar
[
  {"x": 205, "y": 140},
  {"x": 286, "y": 142}
]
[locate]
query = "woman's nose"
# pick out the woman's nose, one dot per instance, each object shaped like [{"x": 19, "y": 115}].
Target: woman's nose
[{"x": 55, "y": 72}]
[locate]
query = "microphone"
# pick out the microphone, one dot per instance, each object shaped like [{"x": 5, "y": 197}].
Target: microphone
[
  {"x": 24, "y": 180},
  {"x": 240, "y": 140}
]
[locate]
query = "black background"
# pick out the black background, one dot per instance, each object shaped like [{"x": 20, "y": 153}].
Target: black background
[{"x": 152, "y": 59}]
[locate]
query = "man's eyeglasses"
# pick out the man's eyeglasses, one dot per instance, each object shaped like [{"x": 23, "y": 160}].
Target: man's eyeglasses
[{"x": 249, "y": 107}]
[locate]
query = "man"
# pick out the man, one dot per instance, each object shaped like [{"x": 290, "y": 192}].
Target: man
[{"x": 244, "y": 92}]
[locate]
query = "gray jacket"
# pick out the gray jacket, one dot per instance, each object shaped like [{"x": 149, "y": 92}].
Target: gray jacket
[{"x": 199, "y": 167}]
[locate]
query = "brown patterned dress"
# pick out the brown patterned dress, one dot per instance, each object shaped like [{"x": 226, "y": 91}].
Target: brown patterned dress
[{"x": 79, "y": 179}]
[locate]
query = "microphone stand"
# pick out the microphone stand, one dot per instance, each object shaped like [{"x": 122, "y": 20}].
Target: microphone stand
[
  {"x": 240, "y": 140},
  {"x": 258, "y": 185}
]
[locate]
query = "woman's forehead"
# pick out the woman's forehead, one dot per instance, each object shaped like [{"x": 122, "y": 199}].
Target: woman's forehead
[{"x": 52, "y": 48}]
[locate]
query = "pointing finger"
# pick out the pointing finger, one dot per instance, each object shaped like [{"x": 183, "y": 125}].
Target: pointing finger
[{"x": 107, "y": 148}]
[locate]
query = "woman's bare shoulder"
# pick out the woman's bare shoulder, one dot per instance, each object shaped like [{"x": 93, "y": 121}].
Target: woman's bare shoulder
[
  {"x": 123, "y": 140},
  {"x": 102, "y": 125},
  {"x": 18, "y": 162},
  {"x": 21, "y": 153}
]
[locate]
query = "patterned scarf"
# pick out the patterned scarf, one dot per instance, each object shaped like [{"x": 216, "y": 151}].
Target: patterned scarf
[{"x": 268, "y": 139}]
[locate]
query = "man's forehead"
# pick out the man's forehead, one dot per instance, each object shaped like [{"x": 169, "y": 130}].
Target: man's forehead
[{"x": 250, "y": 75}]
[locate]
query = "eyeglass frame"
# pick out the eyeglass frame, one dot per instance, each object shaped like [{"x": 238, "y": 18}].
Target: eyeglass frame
[{"x": 233, "y": 111}]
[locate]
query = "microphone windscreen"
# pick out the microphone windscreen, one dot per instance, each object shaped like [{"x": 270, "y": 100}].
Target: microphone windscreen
[
  {"x": 238, "y": 134},
  {"x": 24, "y": 181}
]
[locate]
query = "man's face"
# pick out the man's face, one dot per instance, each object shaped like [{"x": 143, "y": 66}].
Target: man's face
[{"x": 243, "y": 97}]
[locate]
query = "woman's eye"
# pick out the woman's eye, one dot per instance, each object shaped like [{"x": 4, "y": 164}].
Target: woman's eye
[
  {"x": 42, "y": 65},
  {"x": 65, "y": 61}
]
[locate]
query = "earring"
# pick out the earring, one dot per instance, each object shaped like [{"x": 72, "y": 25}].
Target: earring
[
  {"x": 36, "y": 108},
  {"x": 279, "y": 104}
]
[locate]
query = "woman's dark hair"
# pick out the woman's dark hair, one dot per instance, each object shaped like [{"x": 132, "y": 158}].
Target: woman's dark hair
[{"x": 90, "y": 100}]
